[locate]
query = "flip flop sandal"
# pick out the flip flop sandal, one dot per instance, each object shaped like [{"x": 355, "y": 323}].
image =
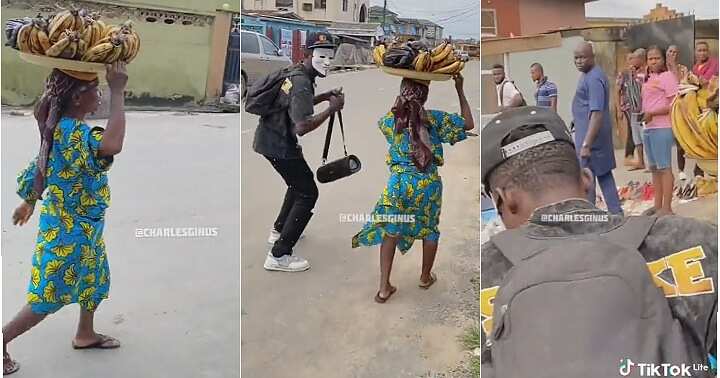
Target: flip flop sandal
[
  {"x": 380, "y": 299},
  {"x": 101, "y": 343},
  {"x": 12, "y": 368},
  {"x": 426, "y": 285}
]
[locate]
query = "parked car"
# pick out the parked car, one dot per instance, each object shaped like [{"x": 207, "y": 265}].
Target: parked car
[
  {"x": 259, "y": 57},
  {"x": 464, "y": 56}
]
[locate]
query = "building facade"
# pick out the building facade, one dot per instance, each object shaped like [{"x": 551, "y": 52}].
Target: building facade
[
  {"x": 316, "y": 10},
  {"x": 512, "y": 18}
]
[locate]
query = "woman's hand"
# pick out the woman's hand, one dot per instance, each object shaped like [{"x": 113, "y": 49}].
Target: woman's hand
[
  {"x": 117, "y": 76},
  {"x": 647, "y": 117},
  {"x": 459, "y": 81},
  {"x": 22, "y": 213}
]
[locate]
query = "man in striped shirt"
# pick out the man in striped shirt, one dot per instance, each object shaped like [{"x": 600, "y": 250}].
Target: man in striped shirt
[{"x": 546, "y": 92}]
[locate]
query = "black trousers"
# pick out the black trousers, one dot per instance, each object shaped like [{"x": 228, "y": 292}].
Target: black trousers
[
  {"x": 300, "y": 199},
  {"x": 629, "y": 143}
]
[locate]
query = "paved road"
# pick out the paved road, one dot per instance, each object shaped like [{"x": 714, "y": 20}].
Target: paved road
[
  {"x": 323, "y": 322},
  {"x": 174, "y": 303}
]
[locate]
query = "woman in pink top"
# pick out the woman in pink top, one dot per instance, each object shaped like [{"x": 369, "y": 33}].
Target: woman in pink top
[
  {"x": 705, "y": 66},
  {"x": 658, "y": 92}
]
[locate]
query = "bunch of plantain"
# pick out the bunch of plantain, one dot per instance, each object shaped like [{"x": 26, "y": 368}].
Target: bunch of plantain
[
  {"x": 106, "y": 52},
  {"x": 444, "y": 61},
  {"x": 33, "y": 38},
  {"x": 94, "y": 30},
  {"x": 378, "y": 54},
  {"x": 695, "y": 128},
  {"x": 66, "y": 20},
  {"x": 69, "y": 46}
]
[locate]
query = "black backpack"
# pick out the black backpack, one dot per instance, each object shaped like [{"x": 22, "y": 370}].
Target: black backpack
[
  {"x": 581, "y": 306},
  {"x": 264, "y": 97}
]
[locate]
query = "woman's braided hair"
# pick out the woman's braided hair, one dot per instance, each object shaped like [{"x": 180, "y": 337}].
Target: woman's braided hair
[
  {"x": 59, "y": 89},
  {"x": 410, "y": 113}
]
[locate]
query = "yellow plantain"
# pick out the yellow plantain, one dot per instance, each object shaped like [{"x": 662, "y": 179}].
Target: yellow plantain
[
  {"x": 82, "y": 48},
  {"x": 448, "y": 69},
  {"x": 450, "y": 59},
  {"x": 114, "y": 55},
  {"x": 23, "y": 39},
  {"x": 419, "y": 62},
  {"x": 437, "y": 50},
  {"x": 59, "y": 46},
  {"x": 35, "y": 42},
  {"x": 136, "y": 48},
  {"x": 43, "y": 40},
  {"x": 443, "y": 54},
  {"x": 460, "y": 67},
  {"x": 98, "y": 53},
  {"x": 61, "y": 22}
]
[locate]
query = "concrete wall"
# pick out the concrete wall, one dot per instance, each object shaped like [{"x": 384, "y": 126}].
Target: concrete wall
[
  {"x": 203, "y": 6},
  {"x": 539, "y": 16},
  {"x": 559, "y": 67},
  {"x": 172, "y": 66}
]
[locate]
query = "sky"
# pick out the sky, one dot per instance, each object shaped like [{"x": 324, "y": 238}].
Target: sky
[
  {"x": 703, "y": 9},
  {"x": 460, "y": 18}
]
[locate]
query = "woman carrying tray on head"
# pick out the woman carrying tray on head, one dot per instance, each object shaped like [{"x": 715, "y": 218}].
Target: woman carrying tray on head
[
  {"x": 69, "y": 264},
  {"x": 409, "y": 206}
]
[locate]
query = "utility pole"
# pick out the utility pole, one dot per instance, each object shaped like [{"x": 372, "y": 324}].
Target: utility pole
[{"x": 384, "y": 11}]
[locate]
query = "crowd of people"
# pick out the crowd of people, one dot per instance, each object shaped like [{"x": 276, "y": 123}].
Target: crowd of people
[{"x": 645, "y": 89}]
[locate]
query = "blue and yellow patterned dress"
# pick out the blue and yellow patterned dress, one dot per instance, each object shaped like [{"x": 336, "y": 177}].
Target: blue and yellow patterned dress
[
  {"x": 69, "y": 264},
  {"x": 409, "y": 206}
]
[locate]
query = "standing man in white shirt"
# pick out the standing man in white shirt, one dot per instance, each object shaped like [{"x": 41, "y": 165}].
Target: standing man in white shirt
[{"x": 507, "y": 93}]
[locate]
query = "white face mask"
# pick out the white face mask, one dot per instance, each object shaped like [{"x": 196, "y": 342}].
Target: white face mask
[{"x": 321, "y": 60}]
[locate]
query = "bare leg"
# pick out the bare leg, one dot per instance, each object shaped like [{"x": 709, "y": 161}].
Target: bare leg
[
  {"x": 86, "y": 334},
  {"x": 680, "y": 158},
  {"x": 658, "y": 185},
  {"x": 641, "y": 157},
  {"x": 23, "y": 321},
  {"x": 667, "y": 194},
  {"x": 387, "y": 253},
  {"x": 429, "y": 252}
]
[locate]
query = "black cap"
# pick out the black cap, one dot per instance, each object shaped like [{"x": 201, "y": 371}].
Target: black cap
[
  {"x": 320, "y": 40},
  {"x": 492, "y": 150}
]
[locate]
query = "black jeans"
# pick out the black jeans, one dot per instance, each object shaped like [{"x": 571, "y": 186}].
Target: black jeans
[{"x": 300, "y": 198}]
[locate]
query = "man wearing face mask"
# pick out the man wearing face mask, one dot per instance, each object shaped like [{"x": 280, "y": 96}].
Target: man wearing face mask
[
  {"x": 276, "y": 139},
  {"x": 539, "y": 188}
]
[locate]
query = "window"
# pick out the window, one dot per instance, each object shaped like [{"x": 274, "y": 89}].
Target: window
[
  {"x": 284, "y": 3},
  {"x": 249, "y": 43},
  {"x": 345, "y": 5},
  {"x": 307, "y": 7},
  {"x": 320, "y": 4},
  {"x": 269, "y": 47},
  {"x": 488, "y": 23}
]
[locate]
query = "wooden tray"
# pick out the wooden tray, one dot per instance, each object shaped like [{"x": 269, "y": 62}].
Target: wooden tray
[
  {"x": 65, "y": 64},
  {"x": 417, "y": 75}
]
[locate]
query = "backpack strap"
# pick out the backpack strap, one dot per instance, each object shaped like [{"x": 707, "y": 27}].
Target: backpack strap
[
  {"x": 517, "y": 245},
  {"x": 632, "y": 232}
]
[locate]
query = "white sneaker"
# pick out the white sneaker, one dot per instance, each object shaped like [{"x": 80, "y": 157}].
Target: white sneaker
[
  {"x": 275, "y": 236},
  {"x": 682, "y": 176},
  {"x": 286, "y": 263}
]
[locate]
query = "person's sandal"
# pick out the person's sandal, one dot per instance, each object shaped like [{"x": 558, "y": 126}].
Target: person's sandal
[
  {"x": 380, "y": 299},
  {"x": 104, "y": 342},
  {"x": 12, "y": 367},
  {"x": 426, "y": 285}
]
